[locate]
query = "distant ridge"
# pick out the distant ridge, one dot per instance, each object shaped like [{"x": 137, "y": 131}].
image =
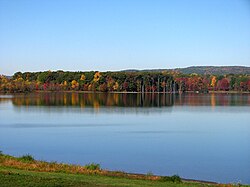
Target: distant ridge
[
  {"x": 215, "y": 70},
  {"x": 203, "y": 70}
]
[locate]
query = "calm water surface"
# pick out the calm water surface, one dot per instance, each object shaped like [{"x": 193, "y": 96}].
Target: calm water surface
[{"x": 197, "y": 136}]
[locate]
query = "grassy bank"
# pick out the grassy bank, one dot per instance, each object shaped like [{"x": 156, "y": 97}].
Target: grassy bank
[{"x": 25, "y": 171}]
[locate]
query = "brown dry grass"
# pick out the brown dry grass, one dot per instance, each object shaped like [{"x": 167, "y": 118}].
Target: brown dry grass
[{"x": 42, "y": 166}]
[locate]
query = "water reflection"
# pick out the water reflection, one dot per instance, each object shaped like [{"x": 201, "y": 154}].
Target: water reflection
[
  {"x": 194, "y": 135},
  {"x": 96, "y": 100}
]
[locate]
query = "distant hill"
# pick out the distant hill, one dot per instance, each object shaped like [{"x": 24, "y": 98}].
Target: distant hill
[
  {"x": 8, "y": 77},
  {"x": 202, "y": 70},
  {"x": 214, "y": 70}
]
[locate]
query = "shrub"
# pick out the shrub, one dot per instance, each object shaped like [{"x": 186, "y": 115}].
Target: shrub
[
  {"x": 1, "y": 153},
  {"x": 27, "y": 158},
  {"x": 93, "y": 166},
  {"x": 149, "y": 174},
  {"x": 174, "y": 178}
]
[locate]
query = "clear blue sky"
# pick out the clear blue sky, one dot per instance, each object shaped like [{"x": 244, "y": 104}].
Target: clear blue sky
[{"x": 82, "y": 35}]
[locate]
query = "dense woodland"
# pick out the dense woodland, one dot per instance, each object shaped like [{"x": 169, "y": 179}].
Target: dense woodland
[{"x": 123, "y": 81}]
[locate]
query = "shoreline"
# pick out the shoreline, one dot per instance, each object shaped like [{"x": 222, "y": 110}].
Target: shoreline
[{"x": 122, "y": 92}]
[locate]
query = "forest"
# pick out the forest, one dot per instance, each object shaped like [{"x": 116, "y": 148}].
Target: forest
[{"x": 122, "y": 81}]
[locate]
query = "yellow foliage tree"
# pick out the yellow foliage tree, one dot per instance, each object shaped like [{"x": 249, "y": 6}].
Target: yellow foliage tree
[
  {"x": 97, "y": 76},
  {"x": 3, "y": 79},
  {"x": 90, "y": 87},
  {"x": 83, "y": 77},
  {"x": 74, "y": 84},
  {"x": 20, "y": 79},
  {"x": 116, "y": 86}
]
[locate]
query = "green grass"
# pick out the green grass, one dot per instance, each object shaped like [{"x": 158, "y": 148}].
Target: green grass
[
  {"x": 15, "y": 177},
  {"x": 26, "y": 171}
]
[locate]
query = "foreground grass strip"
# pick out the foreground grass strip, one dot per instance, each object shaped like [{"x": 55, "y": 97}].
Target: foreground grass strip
[
  {"x": 28, "y": 163},
  {"x": 26, "y": 171},
  {"x": 17, "y": 177}
]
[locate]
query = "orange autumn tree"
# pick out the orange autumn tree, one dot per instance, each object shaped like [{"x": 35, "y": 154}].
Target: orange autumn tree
[
  {"x": 74, "y": 84},
  {"x": 213, "y": 82},
  {"x": 95, "y": 83},
  {"x": 65, "y": 85}
]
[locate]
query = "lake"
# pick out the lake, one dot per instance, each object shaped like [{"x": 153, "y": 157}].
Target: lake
[{"x": 197, "y": 136}]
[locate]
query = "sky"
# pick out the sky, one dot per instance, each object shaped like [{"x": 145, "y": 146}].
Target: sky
[{"x": 83, "y": 35}]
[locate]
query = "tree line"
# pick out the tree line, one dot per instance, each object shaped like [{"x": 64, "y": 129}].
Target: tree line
[{"x": 122, "y": 81}]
